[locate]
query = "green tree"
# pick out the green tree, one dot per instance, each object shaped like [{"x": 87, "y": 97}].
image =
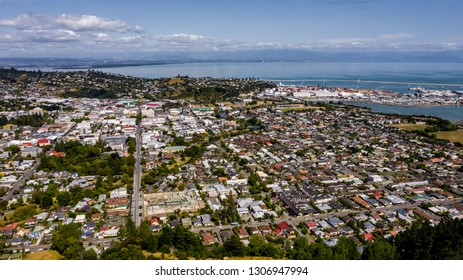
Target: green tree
[
  {"x": 379, "y": 250},
  {"x": 345, "y": 249},
  {"x": 24, "y": 212},
  {"x": 90, "y": 255},
  {"x": 234, "y": 247},
  {"x": 65, "y": 240},
  {"x": 301, "y": 249},
  {"x": 64, "y": 198}
]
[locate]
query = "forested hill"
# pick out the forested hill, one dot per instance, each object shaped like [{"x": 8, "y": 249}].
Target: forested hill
[{"x": 97, "y": 84}]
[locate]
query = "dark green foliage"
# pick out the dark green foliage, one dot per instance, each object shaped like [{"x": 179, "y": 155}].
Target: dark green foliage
[
  {"x": 233, "y": 247},
  {"x": 439, "y": 124},
  {"x": 345, "y": 249},
  {"x": 24, "y": 212},
  {"x": 188, "y": 242},
  {"x": 92, "y": 93},
  {"x": 132, "y": 144},
  {"x": 422, "y": 241},
  {"x": 30, "y": 120},
  {"x": 379, "y": 250},
  {"x": 90, "y": 255},
  {"x": 87, "y": 160},
  {"x": 228, "y": 214},
  {"x": 65, "y": 240},
  {"x": 3, "y": 120},
  {"x": 3, "y": 204},
  {"x": 123, "y": 251},
  {"x": 301, "y": 249}
]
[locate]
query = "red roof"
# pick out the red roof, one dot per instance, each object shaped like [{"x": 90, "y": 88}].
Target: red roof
[
  {"x": 154, "y": 221},
  {"x": 58, "y": 154},
  {"x": 283, "y": 225},
  {"x": 368, "y": 237},
  {"x": 43, "y": 141},
  {"x": 311, "y": 224},
  {"x": 12, "y": 226}
]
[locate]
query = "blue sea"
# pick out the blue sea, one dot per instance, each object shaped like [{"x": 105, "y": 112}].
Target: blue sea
[
  {"x": 392, "y": 76},
  {"x": 388, "y": 76}
]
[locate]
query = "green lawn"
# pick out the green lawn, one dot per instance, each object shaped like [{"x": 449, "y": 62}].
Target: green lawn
[
  {"x": 410, "y": 126},
  {"x": 454, "y": 136},
  {"x": 44, "y": 255}
]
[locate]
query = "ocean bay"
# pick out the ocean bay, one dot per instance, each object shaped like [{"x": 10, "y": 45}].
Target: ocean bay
[{"x": 391, "y": 76}]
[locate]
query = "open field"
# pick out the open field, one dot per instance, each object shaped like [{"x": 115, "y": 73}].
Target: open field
[
  {"x": 179, "y": 162},
  {"x": 160, "y": 255},
  {"x": 454, "y": 136},
  {"x": 44, "y": 255},
  {"x": 410, "y": 126}
]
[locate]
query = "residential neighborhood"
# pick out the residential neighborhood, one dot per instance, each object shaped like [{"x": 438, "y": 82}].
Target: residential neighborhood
[{"x": 273, "y": 168}]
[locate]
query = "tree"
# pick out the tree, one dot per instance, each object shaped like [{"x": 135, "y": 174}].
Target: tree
[
  {"x": 64, "y": 198},
  {"x": 379, "y": 250},
  {"x": 13, "y": 149},
  {"x": 301, "y": 249},
  {"x": 234, "y": 247},
  {"x": 345, "y": 249},
  {"x": 90, "y": 255},
  {"x": 167, "y": 236},
  {"x": 24, "y": 212},
  {"x": 65, "y": 240}
]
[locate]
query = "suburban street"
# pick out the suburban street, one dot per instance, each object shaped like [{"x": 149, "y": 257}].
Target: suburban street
[
  {"x": 136, "y": 193},
  {"x": 9, "y": 195},
  {"x": 293, "y": 221}
]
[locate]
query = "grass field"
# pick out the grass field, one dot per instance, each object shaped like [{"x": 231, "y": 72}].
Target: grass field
[
  {"x": 454, "y": 136},
  {"x": 44, "y": 255},
  {"x": 179, "y": 162},
  {"x": 160, "y": 255},
  {"x": 410, "y": 126},
  {"x": 174, "y": 81}
]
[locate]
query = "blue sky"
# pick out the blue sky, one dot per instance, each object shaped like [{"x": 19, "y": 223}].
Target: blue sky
[{"x": 102, "y": 27}]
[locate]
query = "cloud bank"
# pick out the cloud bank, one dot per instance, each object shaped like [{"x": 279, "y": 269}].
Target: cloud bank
[{"x": 42, "y": 34}]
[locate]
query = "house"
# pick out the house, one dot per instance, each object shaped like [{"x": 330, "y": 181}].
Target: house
[
  {"x": 197, "y": 222},
  {"x": 265, "y": 229},
  {"x": 242, "y": 233},
  {"x": 79, "y": 218},
  {"x": 225, "y": 234},
  {"x": 96, "y": 217},
  {"x": 30, "y": 152},
  {"x": 57, "y": 154},
  {"x": 34, "y": 234},
  {"x": 154, "y": 221},
  {"x": 206, "y": 220},
  {"x": 311, "y": 224},
  {"x": 368, "y": 237},
  {"x": 208, "y": 238},
  {"x": 43, "y": 142},
  {"x": 283, "y": 226}
]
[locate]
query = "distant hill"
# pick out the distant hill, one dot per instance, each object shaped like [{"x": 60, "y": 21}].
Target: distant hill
[{"x": 153, "y": 58}]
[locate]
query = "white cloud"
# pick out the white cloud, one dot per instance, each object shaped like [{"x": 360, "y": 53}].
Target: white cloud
[
  {"x": 184, "y": 38},
  {"x": 101, "y": 37},
  {"x": 130, "y": 39},
  {"x": 91, "y": 23},
  {"x": 70, "y": 22}
]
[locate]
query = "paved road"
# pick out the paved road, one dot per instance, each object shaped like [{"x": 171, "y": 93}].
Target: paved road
[{"x": 136, "y": 194}]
